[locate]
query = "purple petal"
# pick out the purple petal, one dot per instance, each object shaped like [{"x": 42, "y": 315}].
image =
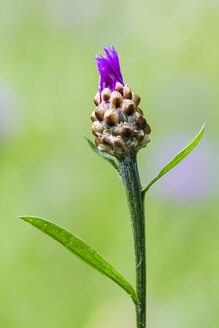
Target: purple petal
[{"x": 109, "y": 69}]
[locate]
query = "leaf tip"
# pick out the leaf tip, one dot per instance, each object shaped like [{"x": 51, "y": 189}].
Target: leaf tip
[
  {"x": 29, "y": 219},
  {"x": 203, "y": 125},
  {"x": 86, "y": 138},
  {"x": 20, "y": 217},
  {"x": 201, "y": 132}
]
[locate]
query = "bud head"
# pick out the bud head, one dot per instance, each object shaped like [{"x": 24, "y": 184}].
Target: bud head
[{"x": 119, "y": 124}]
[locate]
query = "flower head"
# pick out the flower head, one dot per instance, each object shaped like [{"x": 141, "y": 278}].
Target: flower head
[
  {"x": 119, "y": 124},
  {"x": 109, "y": 69}
]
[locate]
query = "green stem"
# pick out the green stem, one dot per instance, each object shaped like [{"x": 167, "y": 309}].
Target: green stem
[{"x": 132, "y": 185}]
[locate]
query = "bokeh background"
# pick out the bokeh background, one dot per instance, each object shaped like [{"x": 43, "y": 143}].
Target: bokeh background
[{"x": 169, "y": 55}]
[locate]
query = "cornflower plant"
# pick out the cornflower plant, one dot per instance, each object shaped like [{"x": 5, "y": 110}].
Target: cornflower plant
[{"x": 120, "y": 130}]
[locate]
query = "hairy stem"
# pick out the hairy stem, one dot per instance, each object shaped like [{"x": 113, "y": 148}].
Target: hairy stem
[{"x": 132, "y": 185}]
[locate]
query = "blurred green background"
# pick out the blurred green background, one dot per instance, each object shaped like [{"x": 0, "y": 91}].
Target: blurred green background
[{"x": 169, "y": 55}]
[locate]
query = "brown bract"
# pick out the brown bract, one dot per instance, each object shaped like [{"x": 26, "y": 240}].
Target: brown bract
[
  {"x": 116, "y": 99},
  {"x": 119, "y": 87},
  {"x": 97, "y": 99},
  {"x": 97, "y": 128},
  {"x": 136, "y": 99},
  {"x": 106, "y": 94},
  {"x": 127, "y": 93},
  {"x": 99, "y": 112},
  {"x": 111, "y": 117},
  {"x": 128, "y": 107}
]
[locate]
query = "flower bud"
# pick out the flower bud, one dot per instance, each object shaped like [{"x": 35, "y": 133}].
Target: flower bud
[
  {"x": 140, "y": 135},
  {"x": 119, "y": 87},
  {"x": 93, "y": 117},
  {"x": 141, "y": 122},
  {"x": 118, "y": 142},
  {"x": 97, "y": 142},
  {"x": 127, "y": 93},
  {"x": 128, "y": 107},
  {"x": 116, "y": 99},
  {"x": 106, "y": 94},
  {"x": 136, "y": 99},
  {"x": 99, "y": 112},
  {"x": 147, "y": 129},
  {"x": 140, "y": 111},
  {"x": 105, "y": 139},
  {"x": 125, "y": 130},
  {"x": 97, "y": 99},
  {"x": 111, "y": 117},
  {"x": 97, "y": 128},
  {"x": 118, "y": 124},
  {"x": 105, "y": 148},
  {"x": 147, "y": 138}
]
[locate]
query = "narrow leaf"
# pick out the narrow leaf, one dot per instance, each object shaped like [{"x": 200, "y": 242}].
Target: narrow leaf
[
  {"x": 80, "y": 249},
  {"x": 103, "y": 155},
  {"x": 177, "y": 159}
]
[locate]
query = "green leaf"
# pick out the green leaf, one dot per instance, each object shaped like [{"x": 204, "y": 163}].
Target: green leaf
[
  {"x": 103, "y": 155},
  {"x": 80, "y": 249},
  {"x": 177, "y": 159}
]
